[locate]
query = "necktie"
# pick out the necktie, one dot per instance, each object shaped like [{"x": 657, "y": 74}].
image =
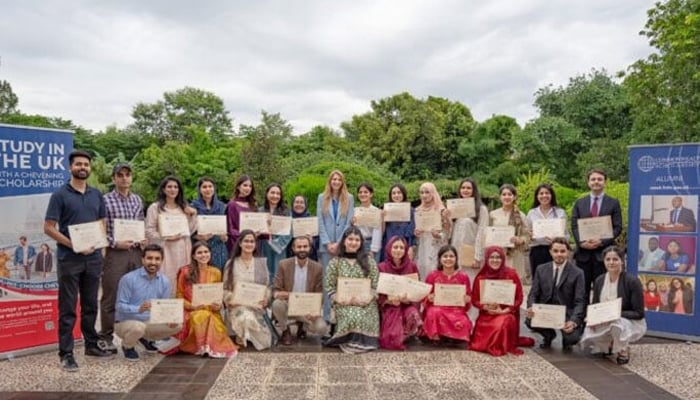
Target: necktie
[
  {"x": 554, "y": 284},
  {"x": 675, "y": 218},
  {"x": 594, "y": 207}
]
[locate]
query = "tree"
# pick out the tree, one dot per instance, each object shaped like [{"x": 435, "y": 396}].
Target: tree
[
  {"x": 487, "y": 150},
  {"x": 262, "y": 144},
  {"x": 8, "y": 99}
]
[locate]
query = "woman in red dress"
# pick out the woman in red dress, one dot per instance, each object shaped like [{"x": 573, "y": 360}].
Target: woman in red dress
[
  {"x": 447, "y": 322},
  {"x": 652, "y": 300},
  {"x": 497, "y": 329}
]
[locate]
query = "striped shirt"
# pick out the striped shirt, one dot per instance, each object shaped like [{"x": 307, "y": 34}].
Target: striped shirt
[{"x": 121, "y": 207}]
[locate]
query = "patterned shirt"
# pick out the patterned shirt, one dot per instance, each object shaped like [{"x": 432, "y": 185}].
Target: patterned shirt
[{"x": 121, "y": 207}]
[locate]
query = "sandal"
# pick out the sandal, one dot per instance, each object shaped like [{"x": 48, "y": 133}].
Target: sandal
[{"x": 623, "y": 357}]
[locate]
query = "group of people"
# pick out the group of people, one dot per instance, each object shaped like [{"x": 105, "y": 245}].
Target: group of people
[
  {"x": 675, "y": 296},
  {"x": 134, "y": 273}
]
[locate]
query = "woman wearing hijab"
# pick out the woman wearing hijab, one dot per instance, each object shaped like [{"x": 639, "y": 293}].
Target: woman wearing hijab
[
  {"x": 208, "y": 203},
  {"x": 428, "y": 243},
  {"x": 300, "y": 209}
]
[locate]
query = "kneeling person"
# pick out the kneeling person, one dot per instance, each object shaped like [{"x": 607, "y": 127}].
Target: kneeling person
[
  {"x": 297, "y": 274},
  {"x": 136, "y": 290}
]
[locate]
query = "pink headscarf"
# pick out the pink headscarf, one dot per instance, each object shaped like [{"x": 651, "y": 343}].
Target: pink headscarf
[{"x": 437, "y": 201}]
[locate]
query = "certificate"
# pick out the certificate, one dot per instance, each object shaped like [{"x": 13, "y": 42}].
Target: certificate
[
  {"x": 550, "y": 316},
  {"x": 211, "y": 225},
  {"x": 204, "y": 294},
  {"x": 498, "y": 236},
  {"x": 307, "y": 226},
  {"x": 129, "y": 230},
  {"x": 303, "y": 304},
  {"x": 428, "y": 220},
  {"x": 255, "y": 221},
  {"x": 359, "y": 288},
  {"x": 551, "y": 227},
  {"x": 599, "y": 313},
  {"x": 497, "y": 291},
  {"x": 173, "y": 225},
  {"x": 88, "y": 235},
  {"x": 461, "y": 208},
  {"x": 399, "y": 285},
  {"x": 167, "y": 311},
  {"x": 280, "y": 225},
  {"x": 249, "y": 294},
  {"x": 595, "y": 228},
  {"x": 397, "y": 212},
  {"x": 449, "y": 295},
  {"x": 368, "y": 217},
  {"x": 466, "y": 254}
]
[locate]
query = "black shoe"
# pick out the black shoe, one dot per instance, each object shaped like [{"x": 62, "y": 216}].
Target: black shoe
[
  {"x": 68, "y": 363},
  {"x": 148, "y": 346},
  {"x": 107, "y": 346},
  {"x": 567, "y": 348},
  {"x": 546, "y": 343},
  {"x": 130, "y": 354},
  {"x": 95, "y": 351}
]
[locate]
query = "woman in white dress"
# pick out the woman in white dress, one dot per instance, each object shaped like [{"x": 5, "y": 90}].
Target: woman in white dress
[
  {"x": 509, "y": 214},
  {"x": 429, "y": 242},
  {"x": 468, "y": 231}
]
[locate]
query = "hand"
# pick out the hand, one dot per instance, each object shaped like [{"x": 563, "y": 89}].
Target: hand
[
  {"x": 282, "y": 295},
  {"x": 431, "y": 297},
  {"x": 215, "y": 307},
  {"x": 467, "y": 299},
  {"x": 569, "y": 327},
  {"x": 515, "y": 240},
  {"x": 145, "y": 306},
  {"x": 124, "y": 244},
  {"x": 312, "y": 318},
  {"x": 205, "y": 237},
  {"x": 404, "y": 298},
  {"x": 418, "y": 232},
  {"x": 353, "y": 221},
  {"x": 411, "y": 253},
  {"x": 548, "y": 240},
  {"x": 173, "y": 325},
  {"x": 224, "y": 237},
  {"x": 190, "y": 211},
  {"x": 264, "y": 303},
  {"x": 172, "y": 238},
  {"x": 435, "y": 233},
  {"x": 530, "y": 313},
  {"x": 446, "y": 213},
  {"x": 88, "y": 251}
]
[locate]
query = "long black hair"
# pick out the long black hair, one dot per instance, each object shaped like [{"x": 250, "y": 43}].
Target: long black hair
[
  {"x": 475, "y": 194},
  {"x": 179, "y": 200},
  {"x": 362, "y": 256}
]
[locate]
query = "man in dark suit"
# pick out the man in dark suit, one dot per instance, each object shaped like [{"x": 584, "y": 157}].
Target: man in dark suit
[
  {"x": 589, "y": 253},
  {"x": 682, "y": 216},
  {"x": 559, "y": 282},
  {"x": 297, "y": 274}
]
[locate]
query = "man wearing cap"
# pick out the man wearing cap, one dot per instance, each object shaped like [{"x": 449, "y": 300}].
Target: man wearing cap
[
  {"x": 121, "y": 257},
  {"x": 77, "y": 273}
]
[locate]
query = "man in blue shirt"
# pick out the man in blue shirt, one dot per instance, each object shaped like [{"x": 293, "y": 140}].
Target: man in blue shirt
[{"x": 136, "y": 290}]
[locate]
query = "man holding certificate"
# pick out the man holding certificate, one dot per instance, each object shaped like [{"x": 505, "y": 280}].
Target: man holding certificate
[
  {"x": 589, "y": 253},
  {"x": 558, "y": 283},
  {"x": 296, "y": 275},
  {"x": 78, "y": 273},
  {"x": 137, "y": 290}
]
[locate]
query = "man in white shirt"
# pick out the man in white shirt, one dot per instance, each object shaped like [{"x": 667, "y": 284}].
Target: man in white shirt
[{"x": 651, "y": 258}]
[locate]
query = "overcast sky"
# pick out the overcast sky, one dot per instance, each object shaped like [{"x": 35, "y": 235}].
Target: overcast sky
[{"x": 315, "y": 62}]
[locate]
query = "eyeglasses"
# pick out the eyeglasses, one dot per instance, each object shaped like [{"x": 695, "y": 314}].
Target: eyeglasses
[{"x": 495, "y": 258}]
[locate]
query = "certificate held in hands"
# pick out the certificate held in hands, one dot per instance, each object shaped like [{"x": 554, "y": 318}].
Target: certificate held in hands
[
  {"x": 497, "y": 291},
  {"x": 173, "y": 225},
  {"x": 204, "y": 294},
  {"x": 303, "y": 304},
  {"x": 307, "y": 226},
  {"x": 449, "y": 295},
  {"x": 255, "y": 221},
  {"x": 595, "y": 228},
  {"x": 498, "y": 236},
  {"x": 280, "y": 225},
  {"x": 607, "y": 311},
  {"x": 129, "y": 230},
  {"x": 349, "y": 288},
  {"x": 428, "y": 220},
  {"x": 461, "y": 208},
  {"x": 368, "y": 217},
  {"x": 249, "y": 294},
  {"x": 88, "y": 235},
  {"x": 211, "y": 224},
  {"x": 399, "y": 285},
  {"x": 552, "y": 227},
  {"x": 167, "y": 311},
  {"x": 466, "y": 255},
  {"x": 551, "y": 316},
  {"x": 397, "y": 212}
]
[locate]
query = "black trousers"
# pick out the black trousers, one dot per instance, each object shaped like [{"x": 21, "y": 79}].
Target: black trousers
[
  {"x": 117, "y": 263},
  {"x": 567, "y": 339},
  {"x": 538, "y": 255},
  {"x": 77, "y": 277},
  {"x": 592, "y": 268}
]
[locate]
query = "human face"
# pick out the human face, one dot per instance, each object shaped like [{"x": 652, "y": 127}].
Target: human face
[
  {"x": 80, "y": 168},
  {"x": 245, "y": 188},
  {"x": 448, "y": 260},
  {"x": 171, "y": 190},
  {"x": 202, "y": 255},
  {"x": 676, "y": 202},
  {"x": 653, "y": 244},
  {"x": 398, "y": 249},
  {"x": 353, "y": 243},
  {"x": 301, "y": 248},
  {"x": 507, "y": 198},
  {"x": 544, "y": 197},
  {"x": 299, "y": 205},
  {"x": 663, "y": 287},
  {"x": 248, "y": 244},
  {"x": 122, "y": 179},
  {"x": 274, "y": 194},
  {"x": 673, "y": 248},
  {"x": 596, "y": 182},
  {"x": 207, "y": 190},
  {"x": 495, "y": 261},
  {"x": 396, "y": 195},
  {"x": 152, "y": 260},
  {"x": 651, "y": 286},
  {"x": 336, "y": 183},
  {"x": 466, "y": 190},
  {"x": 365, "y": 196},
  {"x": 613, "y": 262},
  {"x": 677, "y": 283},
  {"x": 425, "y": 196},
  {"x": 559, "y": 253}
]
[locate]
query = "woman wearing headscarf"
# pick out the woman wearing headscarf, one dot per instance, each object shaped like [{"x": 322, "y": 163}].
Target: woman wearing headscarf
[
  {"x": 428, "y": 243},
  {"x": 208, "y": 203},
  {"x": 300, "y": 209}
]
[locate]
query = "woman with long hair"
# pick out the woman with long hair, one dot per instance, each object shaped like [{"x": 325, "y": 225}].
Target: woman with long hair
[
  {"x": 208, "y": 203},
  {"x": 680, "y": 297},
  {"x": 675, "y": 259},
  {"x": 428, "y": 243},
  {"x": 402, "y": 229},
  {"x": 274, "y": 247},
  {"x": 465, "y": 231},
  {"x": 44, "y": 260},
  {"x": 204, "y": 332},
  {"x": 510, "y": 214},
  {"x": 242, "y": 200},
  {"x": 652, "y": 300},
  {"x": 543, "y": 207},
  {"x": 371, "y": 237},
  {"x": 171, "y": 201},
  {"x": 357, "y": 321}
]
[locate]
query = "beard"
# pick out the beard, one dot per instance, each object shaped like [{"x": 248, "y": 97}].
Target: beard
[
  {"x": 80, "y": 174},
  {"x": 302, "y": 255}
]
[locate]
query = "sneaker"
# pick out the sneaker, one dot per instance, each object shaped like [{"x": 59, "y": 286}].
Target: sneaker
[
  {"x": 95, "y": 351},
  {"x": 148, "y": 345},
  {"x": 68, "y": 363},
  {"x": 130, "y": 354},
  {"x": 107, "y": 346}
]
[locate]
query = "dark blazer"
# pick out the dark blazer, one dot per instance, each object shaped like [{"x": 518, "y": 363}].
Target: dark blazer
[
  {"x": 685, "y": 217},
  {"x": 582, "y": 209},
  {"x": 284, "y": 279},
  {"x": 570, "y": 291},
  {"x": 630, "y": 289}
]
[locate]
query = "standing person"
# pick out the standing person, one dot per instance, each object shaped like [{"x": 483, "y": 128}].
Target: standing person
[
  {"x": 44, "y": 260},
  {"x": 334, "y": 209},
  {"x": 208, "y": 203},
  {"x": 615, "y": 336},
  {"x": 171, "y": 201},
  {"x": 465, "y": 231},
  {"x": 428, "y": 243},
  {"x": 78, "y": 273},
  {"x": 274, "y": 247},
  {"x": 300, "y": 209},
  {"x": 403, "y": 229},
  {"x": 243, "y": 200},
  {"x": 589, "y": 253},
  {"x": 371, "y": 237},
  {"x": 682, "y": 216},
  {"x": 510, "y": 214},
  {"x": 559, "y": 282},
  {"x": 24, "y": 257},
  {"x": 544, "y": 207},
  {"x": 652, "y": 300},
  {"x": 680, "y": 298},
  {"x": 400, "y": 318},
  {"x": 120, "y": 257}
]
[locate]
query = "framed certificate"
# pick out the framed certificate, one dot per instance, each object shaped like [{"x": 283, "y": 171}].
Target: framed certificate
[
  {"x": 449, "y": 295},
  {"x": 359, "y": 288},
  {"x": 497, "y": 291},
  {"x": 255, "y": 221},
  {"x": 466, "y": 254},
  {"x": 129, "y": 230},
  {"x": 607, "y": 311},
  {"x": 303, "y": 304},
  {"x": 173, "y": 225},
  {"x": 461, "y": 208},
  {"x": 280, "y": 225},
  {"x": 552, "y": 316},
  {"x": 211, "y": 225},
  {"x": 397, "y": 212},
  {"x": 207, "y": 293},
  {"x": 249, "y": 294},
  {"x": 498, "y": 236},
  {"x": 167, "y": 311},
  {"x": 595, "y": 228},
  {"x": 428, "y": 220},
  {"x": 88, "y": 235},
  {"x": 307, "y": 226},
  {"x": 368, "y": 217},
  {"x": 551, "y": 227}
]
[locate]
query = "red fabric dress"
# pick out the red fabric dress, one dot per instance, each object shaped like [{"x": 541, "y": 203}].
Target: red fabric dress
[
  {"x": 652, "y": 300},
  {"x": 447, "y": 321}
]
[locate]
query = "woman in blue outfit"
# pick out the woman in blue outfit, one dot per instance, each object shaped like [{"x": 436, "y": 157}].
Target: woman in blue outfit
[
  {"x": 405, "y": 230},
  {"x": 274, "y": 247},
  {"x": 208, "y": 203}
]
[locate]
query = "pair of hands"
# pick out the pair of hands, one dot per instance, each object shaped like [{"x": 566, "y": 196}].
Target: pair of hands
[
  {"x": 127, "y": 244},
  {"x": 435, "y": 232},
  {"x": 467, "y": 298},
  {"x": 208, "y": 236},
  {"x": 591, "y": 244}
]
